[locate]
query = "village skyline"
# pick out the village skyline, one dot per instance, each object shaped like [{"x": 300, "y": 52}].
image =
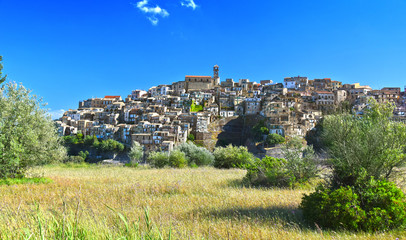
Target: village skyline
[{"x": 79, "y": 49}]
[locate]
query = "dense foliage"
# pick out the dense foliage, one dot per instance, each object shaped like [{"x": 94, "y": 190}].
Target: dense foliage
[
  {"x": 370, "y": 144},
  {"x": 196, "y": 155},
  {"x": 136, "y": 153},
  {"x": 371, "y": 206},
  {"x": 366, "y": 151},
  {"x": 259, "y": 130},
  {"x": 191, "y": 137},
  {"x": 78, "y": 143},
  {"x": 273, "y": 139},
  {"x": 297, "y": 167},
  {"x": 158, "y": 159},
  {"x": 269, "y": 172},
  {"x": 28, "y": 136},
  {"x": 301, "y": 161},
  {"x": 232, "y": 157},
  {"x": 175, "y": 159}
]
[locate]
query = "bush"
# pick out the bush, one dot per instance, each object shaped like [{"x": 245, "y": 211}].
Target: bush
[
  {"x": 371, "y": 144},
  {"x": 111, "y": 145},
  {"x": 136, "y": 153},
  {"x": 177, "y": 159},
  {"x": 84, "y": 155},
  {"x": 297, "y": 168},
  {"x": 91, "y": 141},
  {"x": 195, "y": 155},
  {"x": 274, "y": 138},
  {"x": 300, "y": 161},
  {"x": 259, "y": 130},
  {"x": 191, "y": 137},
  {"x": 132, "y": 164},
  {"x": 74, "y": 159},
  {"x": 158, "y": 159},
  {"x": 372, "y": 206},
  {"x": 269, "y": 172},
  {"x": 232, "y": 157}
]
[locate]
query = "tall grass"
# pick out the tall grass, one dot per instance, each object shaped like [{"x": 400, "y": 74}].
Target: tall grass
[{"x": 99, "y": 202}]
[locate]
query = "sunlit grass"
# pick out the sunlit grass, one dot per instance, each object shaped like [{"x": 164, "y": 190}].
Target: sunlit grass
[
  {"x": 101, "y": 202},
  {"x": 34, "y": 180}
]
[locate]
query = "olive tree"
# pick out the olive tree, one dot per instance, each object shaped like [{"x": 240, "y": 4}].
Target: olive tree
[
  {"x": 136, "y": 152},
  {"x": 195, "y": 154},
  {"x": 28, "y": 136},
  {"x": 232, "y": 157},
  {"x": 2, "y": 78},
  {"x": 361, "y": 147},
  {"x": 300, "y": 160}
]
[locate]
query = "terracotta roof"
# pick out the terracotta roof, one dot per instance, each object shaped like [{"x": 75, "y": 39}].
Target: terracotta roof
[
  {"x": 189, "y": 76},
  {"x": 323, "y": 92},
  {"x": 112, "y": 96}
]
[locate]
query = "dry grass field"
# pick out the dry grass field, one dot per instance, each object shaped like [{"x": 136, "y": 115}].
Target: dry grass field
[{"x": 101, "y": 202}]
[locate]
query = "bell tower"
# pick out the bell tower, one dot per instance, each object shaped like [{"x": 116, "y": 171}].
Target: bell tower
[{"x": 216, "y": 77}]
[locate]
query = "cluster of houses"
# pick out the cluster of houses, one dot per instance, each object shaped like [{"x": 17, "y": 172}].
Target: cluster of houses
[{"x": 165, "y": 115}]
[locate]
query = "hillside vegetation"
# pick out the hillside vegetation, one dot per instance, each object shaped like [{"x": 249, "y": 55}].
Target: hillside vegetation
[{"x": 98, "y": 202}]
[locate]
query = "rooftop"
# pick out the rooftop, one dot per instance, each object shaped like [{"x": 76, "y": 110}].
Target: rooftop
[{"x": 191, "y": 76}]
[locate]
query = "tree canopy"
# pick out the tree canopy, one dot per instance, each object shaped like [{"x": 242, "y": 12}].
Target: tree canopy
[
  {"x": 370, "y": 145},
  {"x": 28, "y": 136}
]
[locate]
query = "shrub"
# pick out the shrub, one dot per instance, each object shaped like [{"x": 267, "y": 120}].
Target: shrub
[
  {"x": 297, "y": 167},
  {"x": 371, "y": 144},
  {"x": 74, "y": 159},
  {"x": 111, "y": 145},
  {"x": 177, "y": 159},
  {"x": 191, "y": 137},
  {"x": 269, "y": 172},
  {"x": 132, "y": 164},
  {"x": 372, "y": 206},
  {"x": 91, "y": 141},
  {"x": 199, "y": 156},
  {"x": 158, "y": 159},
  {"x": 84, "y": 155},
  {"x": 300, "y": 161},
  {"x": 274, "y": 138},
  {"x": 136, "y": 153},
  {"x": 259, "y": 130},
  {"x": 231, "y": 157}
]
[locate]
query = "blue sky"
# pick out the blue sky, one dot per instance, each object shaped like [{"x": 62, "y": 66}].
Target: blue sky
[{"x": 68, "y": 51}]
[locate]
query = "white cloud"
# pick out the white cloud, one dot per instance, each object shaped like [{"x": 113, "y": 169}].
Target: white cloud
[
  {"x": 152, "y": 12},
  {"x": 56, "y": 114},
  {"x": 153, "y": 20},
  {"x": 189, "y": 3}
]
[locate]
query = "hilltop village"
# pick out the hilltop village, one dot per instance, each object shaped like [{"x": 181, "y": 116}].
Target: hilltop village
[{"x": 165, "y": 115}]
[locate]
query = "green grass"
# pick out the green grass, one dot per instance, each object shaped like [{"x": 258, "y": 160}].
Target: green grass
[
  {"x": 99, "y": 202},
  {"x": 35, "y": 180}
]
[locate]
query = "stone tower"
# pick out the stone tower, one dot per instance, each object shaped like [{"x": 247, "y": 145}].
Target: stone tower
[{"x": 216, "y": 77}]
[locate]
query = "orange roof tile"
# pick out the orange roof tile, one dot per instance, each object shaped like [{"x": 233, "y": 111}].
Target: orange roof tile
[
  {"x": 323, "y": 92},
  {"x": 112, "y": 96},
  {"x": 189, "y": 76}
]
